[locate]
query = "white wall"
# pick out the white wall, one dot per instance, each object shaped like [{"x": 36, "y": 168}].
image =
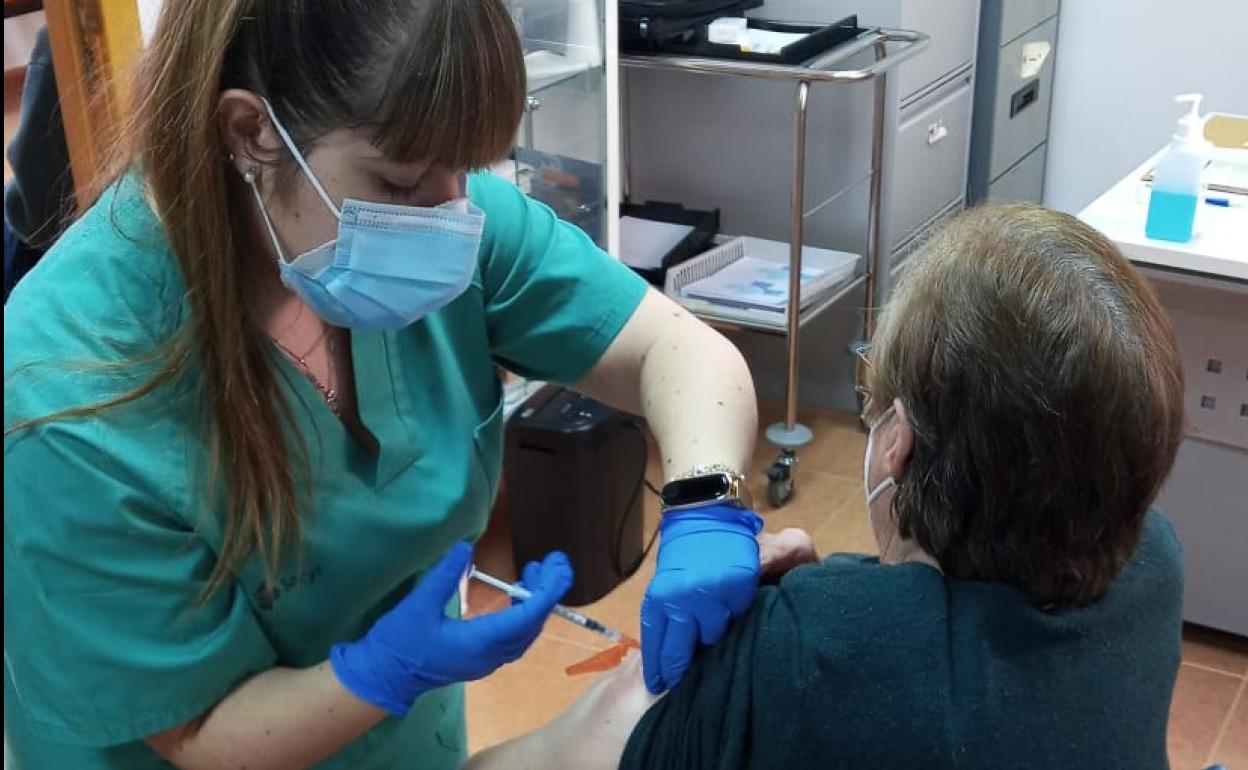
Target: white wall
[
  {"x": 1119, "y": 65},
  {"x": 149, "y": 11}
]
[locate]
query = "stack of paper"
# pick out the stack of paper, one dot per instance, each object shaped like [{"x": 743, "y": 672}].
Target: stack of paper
[
  {"x": 750, "y": 283},
  {"x": 644, "y": 242}
]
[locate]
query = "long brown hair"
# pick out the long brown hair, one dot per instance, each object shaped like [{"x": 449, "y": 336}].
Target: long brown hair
[
  {"x": 435, "y": 80},
  {"x": 1042, "y": 379}
]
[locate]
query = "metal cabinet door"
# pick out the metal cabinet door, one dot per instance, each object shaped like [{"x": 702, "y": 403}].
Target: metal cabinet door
[
  {"x": 954, "y": 28},
  {"x": 1014, "y": 17},
  {"x": 1024, "y": 182},
  {"x": 930, "y": 152},
  {"x": 1021, "y": 106}
]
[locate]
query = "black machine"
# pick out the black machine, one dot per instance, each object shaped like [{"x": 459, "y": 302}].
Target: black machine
[{"x": 575, "y": 473}]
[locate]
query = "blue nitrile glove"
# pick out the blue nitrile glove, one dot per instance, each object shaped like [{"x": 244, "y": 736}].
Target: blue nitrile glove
[
  {"x": 415, "y": 647},
  {"x": 707, "y": 574}
]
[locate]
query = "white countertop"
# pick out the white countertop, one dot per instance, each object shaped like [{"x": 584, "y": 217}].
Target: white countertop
[{"x": 1219, "y": 245}]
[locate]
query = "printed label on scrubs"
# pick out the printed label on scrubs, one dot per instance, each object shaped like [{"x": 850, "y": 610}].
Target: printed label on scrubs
[{"x": 267, "y": 596}]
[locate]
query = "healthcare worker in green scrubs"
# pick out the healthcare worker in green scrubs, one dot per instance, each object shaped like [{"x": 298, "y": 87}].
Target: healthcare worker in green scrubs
[{"x": 252, "y": 418}]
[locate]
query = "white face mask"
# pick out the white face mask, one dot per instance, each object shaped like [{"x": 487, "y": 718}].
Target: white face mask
[{"x": 889, "y": 482}]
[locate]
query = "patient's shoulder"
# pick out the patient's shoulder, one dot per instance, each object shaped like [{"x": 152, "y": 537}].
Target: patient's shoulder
[
  {"x": 845, "y": 610},
  {"x": 861, "y": 584}
]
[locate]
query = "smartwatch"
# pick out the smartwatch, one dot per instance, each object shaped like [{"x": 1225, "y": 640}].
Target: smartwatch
[{"x": 705, "y": 485}]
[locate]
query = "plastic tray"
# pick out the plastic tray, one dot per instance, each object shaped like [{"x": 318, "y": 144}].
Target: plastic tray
[
  {"x": 840, "y": 267},
  {"x": 819, "y": 38}
]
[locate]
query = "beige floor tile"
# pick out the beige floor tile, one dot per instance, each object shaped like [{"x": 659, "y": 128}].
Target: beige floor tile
[
  {"x": 1232, "y": 747},
  {"x": 1201, "y": 701},
  {"x": 846, "y": 529},
  {"x": 1215, "y": 649}
]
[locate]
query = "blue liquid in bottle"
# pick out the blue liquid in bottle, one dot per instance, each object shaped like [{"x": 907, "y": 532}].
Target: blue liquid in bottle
[{"x": 1170, "y": 216}]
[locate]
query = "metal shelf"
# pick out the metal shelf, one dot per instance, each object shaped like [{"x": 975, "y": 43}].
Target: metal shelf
[
  {"x": 890, "y": 48},
  {"x": 821, "y": 69}
]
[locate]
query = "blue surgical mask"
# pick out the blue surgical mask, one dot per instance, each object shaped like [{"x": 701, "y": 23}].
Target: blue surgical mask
[{"x": 390, "y": 265}]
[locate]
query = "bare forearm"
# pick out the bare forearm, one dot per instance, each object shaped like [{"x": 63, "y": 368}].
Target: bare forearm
[
  {"x": 698, "y": 398},
  {"x": 689, "y": 382},
  {"x": 528, "y": 752},
  {"x": 280, "y": 719},
  {"x": 591, "y": 734}
]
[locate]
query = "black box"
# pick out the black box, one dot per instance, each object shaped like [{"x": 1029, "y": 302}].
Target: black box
[{"x": 575, "y": 471}]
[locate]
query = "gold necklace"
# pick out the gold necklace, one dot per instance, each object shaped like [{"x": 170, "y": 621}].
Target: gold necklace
[{"x": 330, "y": 395}]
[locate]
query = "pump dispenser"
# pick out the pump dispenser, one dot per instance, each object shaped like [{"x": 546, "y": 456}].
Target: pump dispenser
[{"x": 1176, "y": 180}]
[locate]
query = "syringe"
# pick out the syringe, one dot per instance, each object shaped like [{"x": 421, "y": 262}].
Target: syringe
[{"x": 572, "y": 616}]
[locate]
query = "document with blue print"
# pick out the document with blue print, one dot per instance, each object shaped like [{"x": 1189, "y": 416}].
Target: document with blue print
[{"x": 750, "y": 282}]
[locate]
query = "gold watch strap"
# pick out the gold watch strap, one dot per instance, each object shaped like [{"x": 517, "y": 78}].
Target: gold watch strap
[{"x": 706, "y": 470}]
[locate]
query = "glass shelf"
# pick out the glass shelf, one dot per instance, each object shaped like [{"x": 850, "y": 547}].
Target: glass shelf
[{"x": 560, "y": 157}]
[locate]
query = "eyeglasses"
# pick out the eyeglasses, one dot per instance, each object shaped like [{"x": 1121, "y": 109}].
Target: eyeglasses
[{"x": 861, "y": 351}]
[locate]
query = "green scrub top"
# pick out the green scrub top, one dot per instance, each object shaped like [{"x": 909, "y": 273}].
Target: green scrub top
[{"x": 110, "y": 531}]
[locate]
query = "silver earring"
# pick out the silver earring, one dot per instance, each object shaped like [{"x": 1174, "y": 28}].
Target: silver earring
[{"x": 249, "y": 175}]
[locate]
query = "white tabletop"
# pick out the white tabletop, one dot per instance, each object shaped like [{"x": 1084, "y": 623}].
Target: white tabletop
[{"x": 1219, "y": 245}]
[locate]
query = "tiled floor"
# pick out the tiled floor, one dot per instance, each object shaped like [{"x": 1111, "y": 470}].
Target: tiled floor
[{"x": 1209, "y": 715}]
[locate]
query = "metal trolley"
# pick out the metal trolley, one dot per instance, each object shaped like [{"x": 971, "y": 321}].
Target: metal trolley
[{"x": 790, "y": 435}]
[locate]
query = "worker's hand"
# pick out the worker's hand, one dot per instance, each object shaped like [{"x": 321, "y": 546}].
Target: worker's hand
[
  {"x": 707, "y": 574},
  {"x": 415, "y": 647}
]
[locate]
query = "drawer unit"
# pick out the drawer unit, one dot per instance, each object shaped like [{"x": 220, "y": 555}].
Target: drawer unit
[
  {"x": 1021, "y": 104},
  {"x": 1013, "y": 93},
  {"x": 1017, "y": 16},
  {"x": 1024, "y": 182},
  {"x": 930, "y": 156},
  {"x": 950, "y": 23}
]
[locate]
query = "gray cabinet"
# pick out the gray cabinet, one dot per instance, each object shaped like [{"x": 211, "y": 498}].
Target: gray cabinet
[
  {"x": 930, "y": 156},
  {"x": 953, "y": 28},
  {"x": 925, "y": 174},
  {"x": 1017, "y": 50}
]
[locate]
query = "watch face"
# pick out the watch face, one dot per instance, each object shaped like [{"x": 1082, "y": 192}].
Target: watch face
[{"x": 696, "y": 490}]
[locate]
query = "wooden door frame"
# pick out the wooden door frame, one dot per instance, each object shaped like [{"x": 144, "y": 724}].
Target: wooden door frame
[{"x": 94, "y": 46}]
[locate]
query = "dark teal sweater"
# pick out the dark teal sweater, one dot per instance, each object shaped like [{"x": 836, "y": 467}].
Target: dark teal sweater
[{"x": 852, "y": 664}]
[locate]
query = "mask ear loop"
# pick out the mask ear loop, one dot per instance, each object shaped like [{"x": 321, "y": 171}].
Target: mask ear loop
[
  {"x": 889, "y": 482},
  {"x": 249, "y": 176},
  {"x": 303, "y": 164}
]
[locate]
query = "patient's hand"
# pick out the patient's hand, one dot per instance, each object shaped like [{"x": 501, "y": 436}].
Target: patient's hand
[
  {"x": 589, "y": 734},
  {"x": 780, "y": 552}
]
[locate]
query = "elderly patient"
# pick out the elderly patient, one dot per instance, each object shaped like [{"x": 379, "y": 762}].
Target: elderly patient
[{"x": 1024, "y": 407}]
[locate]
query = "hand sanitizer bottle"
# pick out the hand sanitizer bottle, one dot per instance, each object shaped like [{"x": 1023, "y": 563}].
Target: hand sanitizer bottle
[{"x": 1176, "y": 180}]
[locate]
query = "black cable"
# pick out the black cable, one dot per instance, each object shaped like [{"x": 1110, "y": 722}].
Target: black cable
[
  {"x": 632, "y": 500},
  {"x": 646, "y": 551}
]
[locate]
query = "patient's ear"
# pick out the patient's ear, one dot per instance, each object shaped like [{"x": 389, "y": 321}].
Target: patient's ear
[{"x": 900, "y": 441}]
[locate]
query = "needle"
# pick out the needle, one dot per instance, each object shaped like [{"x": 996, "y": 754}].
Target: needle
[{"x": 572, "y": 616}]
